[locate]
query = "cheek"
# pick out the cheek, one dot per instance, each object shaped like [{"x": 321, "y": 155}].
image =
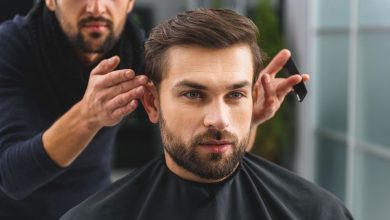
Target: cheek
[
  {"x": 241, "y": 118},
  {"x": 68, "y": 25},
  {"x": 71, "y": 13},
  {"x": 180, "y": 119},
  {"x": 119, "y": 18}
]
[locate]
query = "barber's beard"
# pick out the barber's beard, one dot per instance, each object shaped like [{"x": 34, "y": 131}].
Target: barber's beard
[
  {"x": 88, "y": 44},
  {"x": 93, "y": 42},
  {"x": 212, "y": 166}
]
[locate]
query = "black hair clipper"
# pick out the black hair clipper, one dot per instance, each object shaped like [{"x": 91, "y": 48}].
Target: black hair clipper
[{"x": 300, "y": 88}]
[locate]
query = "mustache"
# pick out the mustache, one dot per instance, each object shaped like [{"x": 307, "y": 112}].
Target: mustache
[
  {"x": 214, "y": 135},
  {"x": 89, "y": 19}
]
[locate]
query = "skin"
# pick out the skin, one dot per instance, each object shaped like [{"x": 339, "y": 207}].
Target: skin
[
  {"x": 205, "y": 89},
  {"x": 72, "y": 13},
  {"x": 272, "y": 91},
  {"x": 110, "y": 95}
]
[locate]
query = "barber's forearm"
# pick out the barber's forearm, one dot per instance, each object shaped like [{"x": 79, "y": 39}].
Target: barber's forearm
[
  {"x": 29, "y": 161},
  {"x": 68, "y": 136}
]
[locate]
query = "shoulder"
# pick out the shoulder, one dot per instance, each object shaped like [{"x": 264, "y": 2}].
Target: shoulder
[
  {"x": 15, "y": 44},
  {"x": 15, "y": 30},
  {"x": 271, "y": 173},
  {"x": 298, "y": 194},
  {"x": 119, "y": 197}
]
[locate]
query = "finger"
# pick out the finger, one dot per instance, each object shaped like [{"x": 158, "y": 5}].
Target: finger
[
  {"x": 269, "y": 89},
  {"x": 305, "y": 77},
  {"x": 286, "y": 85},
  {"x": 117, "y": 77},
  {"x": 150, "y": 85},
  {"x": 124, "y": 87},
  {"x": 270, "y": 98},
  {"x": 125, "y": 98},
  {"x": 106, "y": 66},
  {"x": 277, "y": 62},
  {"x": 125, "y": 110}
]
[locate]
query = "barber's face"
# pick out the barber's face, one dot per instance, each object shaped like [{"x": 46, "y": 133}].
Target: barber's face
[
  {"x": 93, "y": 26},
  {"x": 205, "y": 109}
]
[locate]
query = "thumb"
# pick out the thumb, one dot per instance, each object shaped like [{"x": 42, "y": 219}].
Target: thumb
[{"x": 106, "y": 66}]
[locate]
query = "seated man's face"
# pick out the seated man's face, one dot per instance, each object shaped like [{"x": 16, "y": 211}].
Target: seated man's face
[{"x": 205, "y": 110}]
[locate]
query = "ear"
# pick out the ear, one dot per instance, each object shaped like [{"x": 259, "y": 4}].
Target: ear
[
  {"x": 51, "y": 4},
  {"x": 255, "y": 93},
  {"x": 151, "y": 103},
  {"x": 130, "y": 6}
]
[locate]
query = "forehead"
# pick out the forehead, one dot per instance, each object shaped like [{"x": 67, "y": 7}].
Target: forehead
[{"x": 208, "y": 66}]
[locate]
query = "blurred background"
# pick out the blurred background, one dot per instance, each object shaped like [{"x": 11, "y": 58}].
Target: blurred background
[{"x": 339, "y": 137}]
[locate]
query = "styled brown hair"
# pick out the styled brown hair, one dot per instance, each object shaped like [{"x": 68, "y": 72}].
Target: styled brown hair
[{"x": 208, "y": 28}]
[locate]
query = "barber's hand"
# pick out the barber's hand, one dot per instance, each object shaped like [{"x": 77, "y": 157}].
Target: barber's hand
[
  {"x": 111, "y": 95},
  {"x": 272, "y": 90}
]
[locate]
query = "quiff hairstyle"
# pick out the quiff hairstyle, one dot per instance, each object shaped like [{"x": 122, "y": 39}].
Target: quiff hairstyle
[{"x": 207, "y": 28}]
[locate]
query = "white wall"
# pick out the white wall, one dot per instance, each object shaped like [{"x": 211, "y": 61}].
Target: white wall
[{"x": 296, "y": 23}]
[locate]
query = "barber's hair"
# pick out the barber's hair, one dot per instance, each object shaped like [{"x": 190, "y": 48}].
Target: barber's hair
[{"x": 207, "y": 28}]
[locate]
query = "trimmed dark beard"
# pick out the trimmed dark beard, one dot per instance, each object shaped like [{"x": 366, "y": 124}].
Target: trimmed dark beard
[
  {"x": 85, "y": 47},
  {"x": 215, "y": 166},
  {"x": 80, "y": 42}
]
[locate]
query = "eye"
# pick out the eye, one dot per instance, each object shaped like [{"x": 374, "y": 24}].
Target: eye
[
  {"x": 236, "y": 95},
  {"x": 193, "y": 95}
]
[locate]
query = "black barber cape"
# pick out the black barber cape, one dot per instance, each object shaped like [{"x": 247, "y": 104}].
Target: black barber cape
[{"x": 257, "y": 190}]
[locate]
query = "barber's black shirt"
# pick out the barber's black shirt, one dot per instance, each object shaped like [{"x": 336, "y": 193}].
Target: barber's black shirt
[{"x": 40, "y": 79}]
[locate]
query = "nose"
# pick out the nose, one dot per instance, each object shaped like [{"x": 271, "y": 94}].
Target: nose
[
  {"x": 217, "y": 116},
  {"x": 96, "y": 7}
]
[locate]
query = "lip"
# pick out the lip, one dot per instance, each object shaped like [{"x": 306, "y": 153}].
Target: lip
[
  {"x": 96, "y": 26},
  {"x": 216, "y": 146}
]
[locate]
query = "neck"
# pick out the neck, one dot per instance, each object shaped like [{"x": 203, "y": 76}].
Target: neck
[
  {"x": 186, "y": 174},
  {"x": 88, "y": 59}
]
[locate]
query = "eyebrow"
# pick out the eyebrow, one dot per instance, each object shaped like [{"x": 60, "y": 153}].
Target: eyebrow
[
  {"x": 239, "y": 85},
  {"x": 195, "y": 85},
  {"x": 190, "y": 84}
]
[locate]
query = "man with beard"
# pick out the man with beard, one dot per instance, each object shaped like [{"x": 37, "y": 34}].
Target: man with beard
[
  {"x": 203, "y": 65},
  {"x": 67, "y": 78},
  {"x": 59, "y": 110}
]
